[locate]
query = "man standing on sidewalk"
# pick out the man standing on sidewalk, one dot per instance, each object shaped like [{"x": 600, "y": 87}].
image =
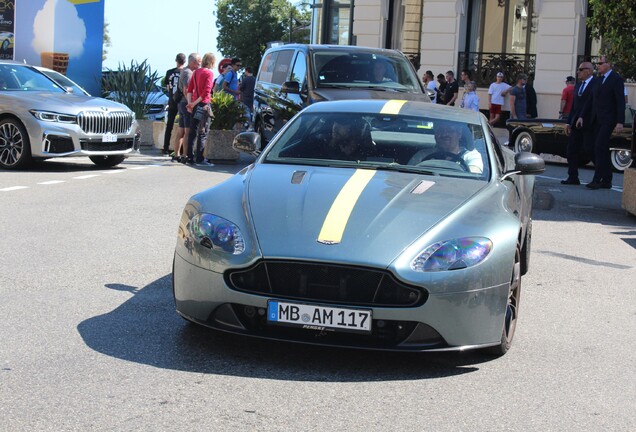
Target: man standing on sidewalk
[
  {"x": 580, "y": 134},
  {"x": 608, "y": 116},
  {"x": 171, "y": 83}
]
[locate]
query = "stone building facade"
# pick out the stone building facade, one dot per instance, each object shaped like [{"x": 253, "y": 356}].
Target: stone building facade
[{"x": 545, "y": 38}]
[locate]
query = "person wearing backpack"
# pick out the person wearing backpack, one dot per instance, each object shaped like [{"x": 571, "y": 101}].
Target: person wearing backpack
[
  {"x": 231, "y": 83},
  {"x": 171, "y": 83}
]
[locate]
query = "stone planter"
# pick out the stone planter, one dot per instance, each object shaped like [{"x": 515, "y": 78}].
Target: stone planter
[
  {"x": 158, "y": 132},
  {"x": 218, "y": 146},
  {"x": 145, "y": 127},
  {"x": 629, "y": 190}
]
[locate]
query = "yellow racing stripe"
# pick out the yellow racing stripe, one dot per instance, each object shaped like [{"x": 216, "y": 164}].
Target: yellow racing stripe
[
  {"x": 392, "y": 107},
  {"x": 334, "y": 225}
]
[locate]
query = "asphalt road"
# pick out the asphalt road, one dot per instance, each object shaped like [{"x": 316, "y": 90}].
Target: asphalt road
[{"x": 89, "y": 338}]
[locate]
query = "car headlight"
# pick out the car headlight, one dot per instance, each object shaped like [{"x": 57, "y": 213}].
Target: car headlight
[
  {"x": 214, "y": 232},
  {"x": 452, "y": 254},
  {"x": 53, "y": 117}
]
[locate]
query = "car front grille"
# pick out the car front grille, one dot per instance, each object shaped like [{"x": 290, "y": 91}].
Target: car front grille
[
  {"x": 95, "y": 145},
  {"x": 101, "y": 122},
  {"x": 326, "y": 283}
]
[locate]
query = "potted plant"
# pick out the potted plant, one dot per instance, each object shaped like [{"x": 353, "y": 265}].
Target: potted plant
[
  {"x": 228, "y": 114},
  {"x": 133, "y": 86}
]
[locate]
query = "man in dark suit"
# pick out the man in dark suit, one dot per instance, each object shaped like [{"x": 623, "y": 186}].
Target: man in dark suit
[
  {"x": 607, "y": 116},
  {"x": 581, "y": 137}
]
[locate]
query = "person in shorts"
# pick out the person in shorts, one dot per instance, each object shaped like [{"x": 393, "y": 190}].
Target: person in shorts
[
  {"x": 496, "y": 93},
  {"x": 185, "y": 117}
]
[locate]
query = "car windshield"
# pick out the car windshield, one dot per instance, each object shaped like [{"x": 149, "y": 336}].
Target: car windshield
[
  {"x": 364, "y": 70},
  {"x": 25, "y": 78},
  {"x": 416, "y": 144}
]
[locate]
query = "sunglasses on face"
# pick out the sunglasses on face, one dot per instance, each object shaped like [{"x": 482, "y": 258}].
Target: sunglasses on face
[
  {"x": 582, "y": 69},
  {"x": 600, "y": 63}
]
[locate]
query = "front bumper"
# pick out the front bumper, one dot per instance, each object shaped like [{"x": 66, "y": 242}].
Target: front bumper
[
  {"x": 445, "y": 322},
  {"x": 50, "y": 140}
]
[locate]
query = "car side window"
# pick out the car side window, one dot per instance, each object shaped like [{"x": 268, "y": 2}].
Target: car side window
[
  {"x": 299, "y": 73},
  {"x": 282, "y": 66},
  {"x": 267, "y": 68},
  {"x": 499, "y": 155}
]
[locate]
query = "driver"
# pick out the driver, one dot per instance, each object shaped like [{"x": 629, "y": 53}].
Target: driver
[
  {"x": 349, "y": 139},
  {"x": 447, "y": 138}
]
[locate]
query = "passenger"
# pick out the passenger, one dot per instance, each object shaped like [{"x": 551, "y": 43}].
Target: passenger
[
  {"x": 350, "y": 139},
  {"x": 379, "y": 72}
]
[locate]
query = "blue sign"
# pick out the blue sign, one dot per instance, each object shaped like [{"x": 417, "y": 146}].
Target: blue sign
[{"x": 64, "y": 35}]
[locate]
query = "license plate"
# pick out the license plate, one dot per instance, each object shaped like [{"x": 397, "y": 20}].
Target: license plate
[
  {"x": 317, "y": 317},
  {"x": 109, "y": 137}
]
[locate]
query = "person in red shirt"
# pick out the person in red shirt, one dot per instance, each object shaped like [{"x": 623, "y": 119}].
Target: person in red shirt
[
  {"x": 567, "y": 97},
  {"x": 198, "y": 95}
]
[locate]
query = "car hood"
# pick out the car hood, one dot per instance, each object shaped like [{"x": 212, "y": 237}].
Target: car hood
[
  {"x": 66, "y": 103},
  {"x": 289, "y": 209},
  {"x": 354, "y": 93}
]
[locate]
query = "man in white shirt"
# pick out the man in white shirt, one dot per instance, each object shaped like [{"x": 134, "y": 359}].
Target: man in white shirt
[
  {"x": 496, "y": 93},
  {"x": 429, "y": 82}
]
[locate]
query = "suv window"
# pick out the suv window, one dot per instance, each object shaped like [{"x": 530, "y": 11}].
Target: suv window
[
  {"x": 283, "y": 63},
  {"x": 299, "y": 73}
]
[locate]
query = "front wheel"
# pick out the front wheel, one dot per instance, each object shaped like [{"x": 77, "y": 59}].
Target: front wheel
[
  {"x": 15, "y": 147},
  {"x": 512, "y": 309},
  {"x": 107, "y": 161},
  {"x": 524, "y": 142},
  {"x": 621, "y": 159}
]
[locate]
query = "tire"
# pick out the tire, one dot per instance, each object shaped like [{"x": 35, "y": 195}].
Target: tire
[
  {"x": 525, "y": 249},
  {"x": 524, "y": 141},
  {"x": 259, "y": 130},
  {"x": 107, "y": 161},
  {"x": 15, "y": 147},
  {"x": 512, "y": 309},
  {"x": 5, "y": 46},
  {"x": 621, "y": 159}
]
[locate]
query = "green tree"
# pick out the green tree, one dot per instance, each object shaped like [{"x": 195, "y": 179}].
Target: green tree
[
  {"x": 614, "y": 23},
  {"x": 246, "y": 26}
]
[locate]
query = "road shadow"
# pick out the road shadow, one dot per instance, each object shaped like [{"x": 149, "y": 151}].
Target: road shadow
[{"x": 146, "y": 329}]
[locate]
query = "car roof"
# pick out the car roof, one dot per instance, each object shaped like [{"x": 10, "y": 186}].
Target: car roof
[
  {"x": 395, "y": 107},
  {"x": 343, "y": 48}
]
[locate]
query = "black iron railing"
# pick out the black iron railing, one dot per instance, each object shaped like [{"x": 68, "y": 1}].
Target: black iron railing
[{"x": 484, "y": 66}]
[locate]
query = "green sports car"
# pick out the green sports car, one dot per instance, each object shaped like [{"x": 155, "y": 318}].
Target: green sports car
[{"x": 393, "y": 225}]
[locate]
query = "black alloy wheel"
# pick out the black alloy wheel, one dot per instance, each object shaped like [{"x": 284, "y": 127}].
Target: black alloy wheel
[{"x": 512, "y": 309}]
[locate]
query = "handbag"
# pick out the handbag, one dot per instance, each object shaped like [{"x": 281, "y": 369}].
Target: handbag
[{"x": 201, "y": 112}]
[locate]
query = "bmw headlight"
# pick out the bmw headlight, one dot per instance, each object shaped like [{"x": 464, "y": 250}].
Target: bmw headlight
[
  {"x": 53, "y": 117},
  {"x": 452, "y": 254},
  {"x": 214, "y": 232}
]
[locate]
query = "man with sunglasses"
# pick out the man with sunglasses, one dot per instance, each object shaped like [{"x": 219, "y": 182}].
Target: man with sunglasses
[
  {"x": 607, "y": 109},
  {"x": 231, "y": 84},
  {"x": 580, "y": 133}
]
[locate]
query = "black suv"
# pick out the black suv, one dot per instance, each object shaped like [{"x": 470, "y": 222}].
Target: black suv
[{"x": 293, "y": 76}]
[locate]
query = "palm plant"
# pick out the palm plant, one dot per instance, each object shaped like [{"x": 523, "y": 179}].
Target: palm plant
[{"x": 131, "y": 85}]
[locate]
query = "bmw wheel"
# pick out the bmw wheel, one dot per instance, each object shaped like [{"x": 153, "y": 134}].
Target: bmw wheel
[
  {"x": 107, "y": 161},
  {"x": 512, "y": 309},
  {"x": 15, "y": 148},
  {"x": 621, "y": 159},
  {"x": 524, "y": 142}
]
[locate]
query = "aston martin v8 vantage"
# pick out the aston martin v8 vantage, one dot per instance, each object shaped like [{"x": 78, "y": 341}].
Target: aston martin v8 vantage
[{"x": 392, "y": 225}]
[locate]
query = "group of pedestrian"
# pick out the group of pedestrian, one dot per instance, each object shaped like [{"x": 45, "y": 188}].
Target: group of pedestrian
[
  {"x": 598, "y": 110},
  {"x": 190, "y": 90}
]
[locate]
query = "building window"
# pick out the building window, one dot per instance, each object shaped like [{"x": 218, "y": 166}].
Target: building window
[
  {"x": 501, "y": 36},
  {"x": 332, "y": 22}
]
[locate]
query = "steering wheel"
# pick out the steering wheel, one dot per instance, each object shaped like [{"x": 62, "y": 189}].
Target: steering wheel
[{"x": 448, "y": 156}]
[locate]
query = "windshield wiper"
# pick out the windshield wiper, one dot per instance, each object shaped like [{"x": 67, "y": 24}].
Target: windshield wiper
[{"x": 398, "y": 167}]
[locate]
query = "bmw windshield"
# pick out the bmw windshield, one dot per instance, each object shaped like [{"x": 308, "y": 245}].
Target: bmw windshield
[{"x": 25, "y": 79}]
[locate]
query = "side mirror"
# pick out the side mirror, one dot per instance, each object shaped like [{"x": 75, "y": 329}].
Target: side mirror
[
  {"x": 291, "y": 87},
  {"x": 526, "y": 163},
  {"x": 247, "y": 142}
]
